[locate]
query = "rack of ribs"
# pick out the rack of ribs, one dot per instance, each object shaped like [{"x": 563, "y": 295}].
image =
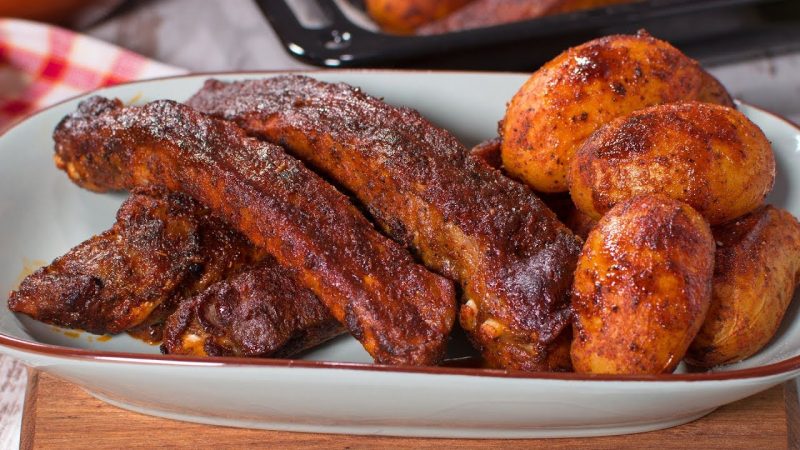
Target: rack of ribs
[
  {"x": 399, "y": 311},
  {"x": 167, "y": 250},
  {"x": 260, "y": 312},
  {"x": 161, "y": 249},
  {"x": 513, "y": 259}
]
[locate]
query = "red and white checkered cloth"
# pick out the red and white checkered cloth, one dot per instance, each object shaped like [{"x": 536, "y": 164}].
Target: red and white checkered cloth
[{"x": 42, "y": 64}]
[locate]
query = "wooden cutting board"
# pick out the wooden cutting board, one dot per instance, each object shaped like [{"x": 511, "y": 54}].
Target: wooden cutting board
[{"x": 61, "y": 415}]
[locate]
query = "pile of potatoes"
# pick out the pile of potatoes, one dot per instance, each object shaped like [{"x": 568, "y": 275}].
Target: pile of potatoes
[{"x": 666, "y": 182}]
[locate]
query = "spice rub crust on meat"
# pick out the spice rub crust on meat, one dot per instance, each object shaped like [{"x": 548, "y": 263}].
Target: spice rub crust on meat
[
  {"x": 261, "y": 312},
  {"x": 161, "y": 249},
  {"x": 400, "y": 312},
  {"x": 513, "y": 259}
]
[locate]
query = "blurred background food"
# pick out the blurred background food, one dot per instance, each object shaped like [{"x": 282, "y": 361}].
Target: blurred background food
[
  {"x": 442, "y": 16},
  {"x": 46, "y": 10},
  {"x": 486, "y": 13},
  {"x": 405, "y": 16},
  {"x": 517, "y": 34},
  {"x": 65, "y": 12},
  {"x": 503, "y": 35}
]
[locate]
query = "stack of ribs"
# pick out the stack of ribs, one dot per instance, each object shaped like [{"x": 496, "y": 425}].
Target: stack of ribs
[{"x": 235, "y": 241}]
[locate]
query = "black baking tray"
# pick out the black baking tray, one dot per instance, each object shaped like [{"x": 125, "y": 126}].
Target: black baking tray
[{"x": 713, "y": 31}]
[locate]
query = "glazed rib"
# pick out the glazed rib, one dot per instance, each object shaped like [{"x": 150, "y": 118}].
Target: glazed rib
[
  {"x": 488, "y": 153},
  {"x": 162, "y": 248},
  {"x": 261, "y": 312},
  {"x": 512, "y": 257},
  {"x": 400, "y": 312}
]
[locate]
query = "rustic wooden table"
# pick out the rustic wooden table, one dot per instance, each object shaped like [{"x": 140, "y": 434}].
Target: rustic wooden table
[{"x": 61, "y": 415}]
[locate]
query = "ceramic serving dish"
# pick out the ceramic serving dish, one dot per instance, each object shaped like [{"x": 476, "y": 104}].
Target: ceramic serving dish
[{"x": 335, "y": 388}]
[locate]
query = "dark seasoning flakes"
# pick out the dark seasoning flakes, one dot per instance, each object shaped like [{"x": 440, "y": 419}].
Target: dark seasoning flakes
[
  {"x": 514, "y": 257},
  {"x": 402, "y": 312}
]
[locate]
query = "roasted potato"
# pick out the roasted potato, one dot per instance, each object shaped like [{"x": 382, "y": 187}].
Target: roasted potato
[
  {"x": 404, "y": 16},
  {"x": 567, "y": 99},
  {"x": 709, "y": 156},
  {"x": 756, "y": 271},
  {"x": 642, "y": 287}
]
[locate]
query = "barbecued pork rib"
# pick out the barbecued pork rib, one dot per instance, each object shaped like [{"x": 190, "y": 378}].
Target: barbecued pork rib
[
  {"x": 261, "y": 312},
  {"x": 400, "y": 312},
  {"x": 513, "y": 258},
  {"x": 162, "y": 248}
]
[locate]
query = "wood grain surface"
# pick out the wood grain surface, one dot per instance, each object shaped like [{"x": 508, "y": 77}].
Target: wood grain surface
[
  {"x": 61, "y": 415},
  {"x": 12, "y": 387}
]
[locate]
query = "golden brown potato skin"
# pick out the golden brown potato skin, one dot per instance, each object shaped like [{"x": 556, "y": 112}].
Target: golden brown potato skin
[
  {"x": 567, "y": 99},
  {"x": 756, "y": 271},
  {"x": 709, "y": 156},
  {"x": 642, "y": 287},
  {"x": 404, "y": 16}
]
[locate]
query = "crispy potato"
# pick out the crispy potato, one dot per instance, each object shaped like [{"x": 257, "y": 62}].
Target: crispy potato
[
  {"x": 404, "y": 16},
  {"x": 642, "y": 287},
  {"x": 566, "y": 100},
  {"x": 756, "y": 271},
  {"x": 709, "y": 156}
]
